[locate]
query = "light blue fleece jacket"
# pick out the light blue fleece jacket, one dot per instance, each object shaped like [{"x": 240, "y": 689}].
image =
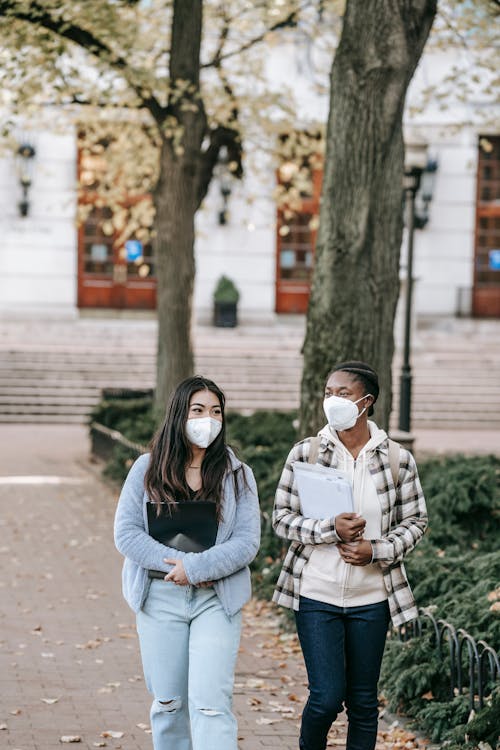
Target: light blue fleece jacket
[{"x": 226, "y": 563}]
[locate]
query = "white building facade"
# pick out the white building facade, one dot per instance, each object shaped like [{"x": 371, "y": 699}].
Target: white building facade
[{"x": 44, "y": 254}]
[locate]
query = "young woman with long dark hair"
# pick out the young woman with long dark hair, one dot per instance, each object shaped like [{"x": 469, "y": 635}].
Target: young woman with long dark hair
[
  {"x": 189, "y": 620},
  {"x": 344, "y": 576}
]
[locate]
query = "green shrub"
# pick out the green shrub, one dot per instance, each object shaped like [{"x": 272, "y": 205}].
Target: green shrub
[
  {"x": 263, "y": 440},
  {"x": 454, "y": 571},
  {"x": 132, "y": 415},
  {"x": 226, "y": 290},
  {"x": 463, "y": 497}
]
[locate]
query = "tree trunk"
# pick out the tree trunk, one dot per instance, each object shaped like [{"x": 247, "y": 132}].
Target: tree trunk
[
  {"x": 176, "y": 202},
  {"x": 175, "y": 269},
  {"x": 356, "y": 275}
]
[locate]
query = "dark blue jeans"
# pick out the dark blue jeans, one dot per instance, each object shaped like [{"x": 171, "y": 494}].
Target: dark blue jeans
[{"x": 343, "y": 649}]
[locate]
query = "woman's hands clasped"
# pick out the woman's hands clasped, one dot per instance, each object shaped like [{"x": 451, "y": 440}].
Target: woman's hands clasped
[
  {"x": 178, "y": 575},
  {"x": 353, "y": 549},
  {"x": 356, "y": 553}
]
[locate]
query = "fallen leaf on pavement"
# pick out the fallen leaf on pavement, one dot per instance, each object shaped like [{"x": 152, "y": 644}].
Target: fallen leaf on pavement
[
  {"x": 275, "y": 706},
  {"x": 254, "y": 683},
  {"x": 49, "y": 701},
  {"x": 254, "y": 701},
  {"x": 112, "y": 734},
  {"x": 70, "y": 738},
  {"x": 89, "y": 644}
]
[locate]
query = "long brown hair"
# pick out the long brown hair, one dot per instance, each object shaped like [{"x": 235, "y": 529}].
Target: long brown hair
[{"x": 165, "y": 479}]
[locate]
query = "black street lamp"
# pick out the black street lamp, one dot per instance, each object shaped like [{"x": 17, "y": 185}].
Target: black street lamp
[
  {"x": 416, "y": 164},
  {"x": 25, "y": 154},
  {"x": 225, "y": 177}
]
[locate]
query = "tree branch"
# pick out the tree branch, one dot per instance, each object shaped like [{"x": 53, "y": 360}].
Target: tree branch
[
  {"x": 223, "y": 135},
  {"x": 38, "y": 16},
  {"x": 290, "y": 20}
]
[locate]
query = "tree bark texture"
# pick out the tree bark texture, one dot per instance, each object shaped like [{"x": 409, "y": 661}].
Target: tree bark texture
[
  {"x": 356, "y": 275},
  {"x": 176, "y": 202},
  {"x": 184, "y": 180}
]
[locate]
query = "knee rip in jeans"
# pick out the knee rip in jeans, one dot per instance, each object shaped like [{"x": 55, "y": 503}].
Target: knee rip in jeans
[
  {"x": 210, "y": 712},
  {"x": 169, "y": 706}
]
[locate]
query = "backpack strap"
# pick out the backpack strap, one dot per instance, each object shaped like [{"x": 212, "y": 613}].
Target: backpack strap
[
  {"x": 394, "y": 449},
  {"x": 314, "y": 450}
]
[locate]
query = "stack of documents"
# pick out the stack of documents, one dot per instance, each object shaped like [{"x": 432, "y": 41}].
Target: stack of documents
[{"x": 323, "y": 492}]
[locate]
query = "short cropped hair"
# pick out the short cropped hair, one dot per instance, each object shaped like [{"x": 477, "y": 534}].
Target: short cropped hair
[{"x": 362, "y": 373}]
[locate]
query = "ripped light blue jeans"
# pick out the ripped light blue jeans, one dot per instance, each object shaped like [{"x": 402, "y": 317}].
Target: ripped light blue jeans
[{"x": 189, "y": 648}]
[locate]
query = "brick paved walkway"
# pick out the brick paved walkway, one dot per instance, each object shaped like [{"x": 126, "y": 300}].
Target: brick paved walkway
[{"x": 69, "y": 661}]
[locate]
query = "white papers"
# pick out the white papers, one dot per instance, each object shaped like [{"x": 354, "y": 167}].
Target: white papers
[{"x": 323, "y": 492}]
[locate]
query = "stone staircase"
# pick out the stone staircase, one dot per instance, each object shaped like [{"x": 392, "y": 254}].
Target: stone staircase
[{"x": 53, "y": 371}]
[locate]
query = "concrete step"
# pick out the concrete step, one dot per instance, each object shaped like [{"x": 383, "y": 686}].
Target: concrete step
[{"x": 55, "y": 370}]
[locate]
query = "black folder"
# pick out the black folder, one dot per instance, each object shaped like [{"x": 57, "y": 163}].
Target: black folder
[{"x": 190, "y": 527}]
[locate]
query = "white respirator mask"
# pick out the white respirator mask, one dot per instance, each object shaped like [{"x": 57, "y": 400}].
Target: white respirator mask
[
  {"x": 342, "y": 413},
  {"x": 202, "y": 431}
]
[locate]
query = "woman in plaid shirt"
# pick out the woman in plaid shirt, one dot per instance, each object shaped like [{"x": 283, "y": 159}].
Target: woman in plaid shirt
[{"x": 344, "y": 576}]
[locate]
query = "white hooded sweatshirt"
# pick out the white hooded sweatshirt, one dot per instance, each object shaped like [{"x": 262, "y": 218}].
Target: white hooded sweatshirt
[{"x": 326, "y": 577}]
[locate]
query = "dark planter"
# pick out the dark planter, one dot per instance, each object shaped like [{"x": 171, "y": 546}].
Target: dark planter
[
  {"x": 225, "y": 314},
  {"x": 103, "y": 441}
]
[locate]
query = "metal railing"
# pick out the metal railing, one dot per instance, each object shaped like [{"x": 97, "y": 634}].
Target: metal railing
[{"x": 466, "y": 656}]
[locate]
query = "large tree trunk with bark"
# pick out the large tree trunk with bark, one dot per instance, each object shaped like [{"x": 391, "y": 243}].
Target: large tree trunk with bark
[
  {"x": 176, "y": 203},
  {"x": 186, "y": 169},
  {"x": 356, "y": 276},
  {"x": 175, "y": 268}
]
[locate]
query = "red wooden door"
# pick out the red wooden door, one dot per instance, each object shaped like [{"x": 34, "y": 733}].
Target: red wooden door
[
  {"x": 295, "y": 242},
  {"x": 113, "y": 274},
  {"x": 486, "y": 290},
  {"x": 113, "y": 271}
]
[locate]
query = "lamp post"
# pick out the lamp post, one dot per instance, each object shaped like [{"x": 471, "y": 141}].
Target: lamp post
[
  {"x": 224, "y": 175},
  {"x": 415, "y": 163},
  {"x": 25, "y": 154}
]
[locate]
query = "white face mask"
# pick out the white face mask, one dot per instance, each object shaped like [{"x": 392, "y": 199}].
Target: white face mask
[
  {"x": 202, "y": 431},
  {"x": 342, "y": 413}
]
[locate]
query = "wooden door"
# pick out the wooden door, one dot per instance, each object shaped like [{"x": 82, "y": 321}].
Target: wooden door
[
  {"x": 112, "y": 274},
  {"x": 114, "y": 271},
  {"x": 295, "y": 242},
  {"x": 486, "y": 289}
]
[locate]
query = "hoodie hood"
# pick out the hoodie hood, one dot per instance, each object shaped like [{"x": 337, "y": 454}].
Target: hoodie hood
[{"x": 377, "y": 437}]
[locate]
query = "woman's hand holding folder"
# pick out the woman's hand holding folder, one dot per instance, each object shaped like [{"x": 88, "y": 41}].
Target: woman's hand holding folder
[{"x": 349, "y": 526}]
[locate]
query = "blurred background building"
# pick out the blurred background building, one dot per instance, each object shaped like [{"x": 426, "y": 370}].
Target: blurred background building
[{"x": 51, "y": 265}]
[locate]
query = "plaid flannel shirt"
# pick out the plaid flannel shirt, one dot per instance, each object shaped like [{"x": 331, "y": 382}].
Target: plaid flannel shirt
[{"x": 404, "y": 520}]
